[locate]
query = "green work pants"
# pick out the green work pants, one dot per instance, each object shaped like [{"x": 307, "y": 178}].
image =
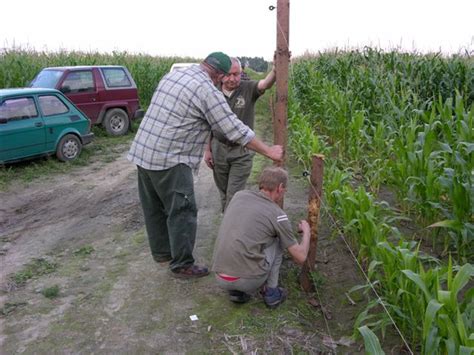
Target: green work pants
[
  {"x": 169, "y": 207},
  {"x": 232, "y": 167}
]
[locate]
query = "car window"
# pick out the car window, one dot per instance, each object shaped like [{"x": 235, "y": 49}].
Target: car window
[
  {"x": 116, "y": 77},
  {"x": 52, "y": 105},
  {"x": 78, "y": 81},
  {"x": 46, "y": 79},
  {"x": 20, "y": 108}
]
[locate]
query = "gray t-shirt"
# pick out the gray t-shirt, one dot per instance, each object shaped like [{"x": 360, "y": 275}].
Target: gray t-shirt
[{"x": 251, "y": 222}]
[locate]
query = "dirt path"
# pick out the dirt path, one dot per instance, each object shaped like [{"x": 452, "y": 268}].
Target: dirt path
[{"x": 88, "y": 227}]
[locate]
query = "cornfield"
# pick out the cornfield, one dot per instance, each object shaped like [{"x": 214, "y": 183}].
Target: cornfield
[
  {"x": 403, "y": 123},
  {"x": 19, "y": 67}
]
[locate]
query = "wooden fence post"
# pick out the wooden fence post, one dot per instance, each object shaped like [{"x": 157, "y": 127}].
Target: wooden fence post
[
  {"x": 314, "y": 205},
  {"x": 281, "y": 63}
]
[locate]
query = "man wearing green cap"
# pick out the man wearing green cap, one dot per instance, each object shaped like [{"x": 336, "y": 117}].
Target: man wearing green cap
[{"x": 169, "y": 146}]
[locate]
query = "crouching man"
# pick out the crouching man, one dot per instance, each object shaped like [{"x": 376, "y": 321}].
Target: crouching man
[{"x": 253, "y": 234}]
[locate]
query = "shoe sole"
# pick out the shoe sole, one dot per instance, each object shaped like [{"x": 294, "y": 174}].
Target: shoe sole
[
  {"x": 275, "y": 304},
  {"x": 237, "y": 299},
  {"x": 184, "y": 276},
  {"x": 163, "y": 260}
]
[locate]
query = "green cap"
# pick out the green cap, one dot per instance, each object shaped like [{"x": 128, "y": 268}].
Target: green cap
[{"x": 219, "y": 61}]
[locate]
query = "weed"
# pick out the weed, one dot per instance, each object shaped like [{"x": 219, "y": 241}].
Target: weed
[
  {"x": 317, "y": 278},
  {"x": 138, "y": 238},
  {"x": 36, "y": 267},
  {"x": 51, "y": 292},
  {"x": 10, "y": 307},
  {"x": 84, "y": 251}
]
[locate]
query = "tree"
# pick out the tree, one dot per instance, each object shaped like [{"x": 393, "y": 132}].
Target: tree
[{"x": 255, "y": 63}]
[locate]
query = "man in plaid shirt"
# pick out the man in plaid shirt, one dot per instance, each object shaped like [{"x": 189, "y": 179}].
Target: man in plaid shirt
[{"x": 169, "y": 145}]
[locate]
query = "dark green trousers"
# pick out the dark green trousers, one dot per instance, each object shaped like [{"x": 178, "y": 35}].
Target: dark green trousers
[
  {"x": 232, "y": 167},
  {"x": 169, "y": 207}
]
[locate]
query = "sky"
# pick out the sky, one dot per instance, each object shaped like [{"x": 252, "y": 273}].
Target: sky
[{"x": 195, "y": 28}]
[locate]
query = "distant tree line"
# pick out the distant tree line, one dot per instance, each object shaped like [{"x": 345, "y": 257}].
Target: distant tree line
[{"x": 255, "y": 63}]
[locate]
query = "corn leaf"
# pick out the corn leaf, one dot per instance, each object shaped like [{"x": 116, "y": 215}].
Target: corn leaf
[
  {"x": 466, "y": 350},
  {"x": 462, "y": 278},
  {"x": 461, "y": 329},
  {"x": 371, "y": 342},
  {"x": 450, "y": 346},
  {"x": 430, "y": 316},
  {"x": 419, "y": 282},
  {"x": 432, "y": 341},
  {"x": 447, "y": 223}
]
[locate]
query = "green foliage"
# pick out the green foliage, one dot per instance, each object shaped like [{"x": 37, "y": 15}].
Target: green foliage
[
  {"x": 393, "y": 118},
  {"x": 84, "y": 251},
  {"x": 371, "y": 342},
  {"x": 404, "y": 120},
  {"x": 36, "y": 267},
  {"x": 10, "y": 307},
  {"x": 255, "y": 63},
  {"x": 51, "y": 292}
]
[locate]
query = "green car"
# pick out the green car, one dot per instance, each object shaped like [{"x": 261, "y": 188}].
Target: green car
[{"x": 36, "y": 122}]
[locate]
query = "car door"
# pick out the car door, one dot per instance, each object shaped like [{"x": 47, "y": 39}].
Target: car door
[
  {"x": 81, "y": 88},
  {"x": 22, "y": 133},
  {"x": 57, "y": 118}
]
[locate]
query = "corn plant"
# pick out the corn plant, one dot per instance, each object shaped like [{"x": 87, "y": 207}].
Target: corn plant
[
  {"x": 18, "y": 67},
  {"x": 447, "y": 322},
  {"x": 404, "y": 120}
]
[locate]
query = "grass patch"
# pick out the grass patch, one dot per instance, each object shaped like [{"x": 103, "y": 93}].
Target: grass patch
[
  {"x": 35, "y": 268},
  {"x": 317, "y": 279},
  {"x": 84, "y": 251},
  {"x": 254, "y": 320},
  {"x": 10, "y": 307},
  {"x": 138, "y": 238},
  {"x": 51, "y": 292}
]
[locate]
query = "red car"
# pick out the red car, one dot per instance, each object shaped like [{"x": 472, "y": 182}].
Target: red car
[{"x": 106, "y": 94}]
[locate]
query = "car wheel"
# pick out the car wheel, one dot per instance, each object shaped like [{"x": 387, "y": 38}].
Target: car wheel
[
  {"x": 69, "y": 148},
  {"x": 116, "y": 122}
]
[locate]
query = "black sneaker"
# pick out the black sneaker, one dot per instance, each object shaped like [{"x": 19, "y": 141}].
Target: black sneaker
[
  {"x": 239, "y": 296},
  {"x": 273, "y": 297}
]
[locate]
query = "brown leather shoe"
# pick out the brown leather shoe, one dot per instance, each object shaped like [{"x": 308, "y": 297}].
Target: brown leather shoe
[{"x": 193, "y": 271}]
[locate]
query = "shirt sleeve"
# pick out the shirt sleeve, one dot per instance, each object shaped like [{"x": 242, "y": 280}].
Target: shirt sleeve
[
  {"x": 221, "y": 118},
  {"x": 284, "y": 231},
  {"x": 256, "y": 93}
]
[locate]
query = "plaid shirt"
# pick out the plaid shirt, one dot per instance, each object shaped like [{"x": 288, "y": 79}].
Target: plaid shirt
[{"x": 185, "y": 107}]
